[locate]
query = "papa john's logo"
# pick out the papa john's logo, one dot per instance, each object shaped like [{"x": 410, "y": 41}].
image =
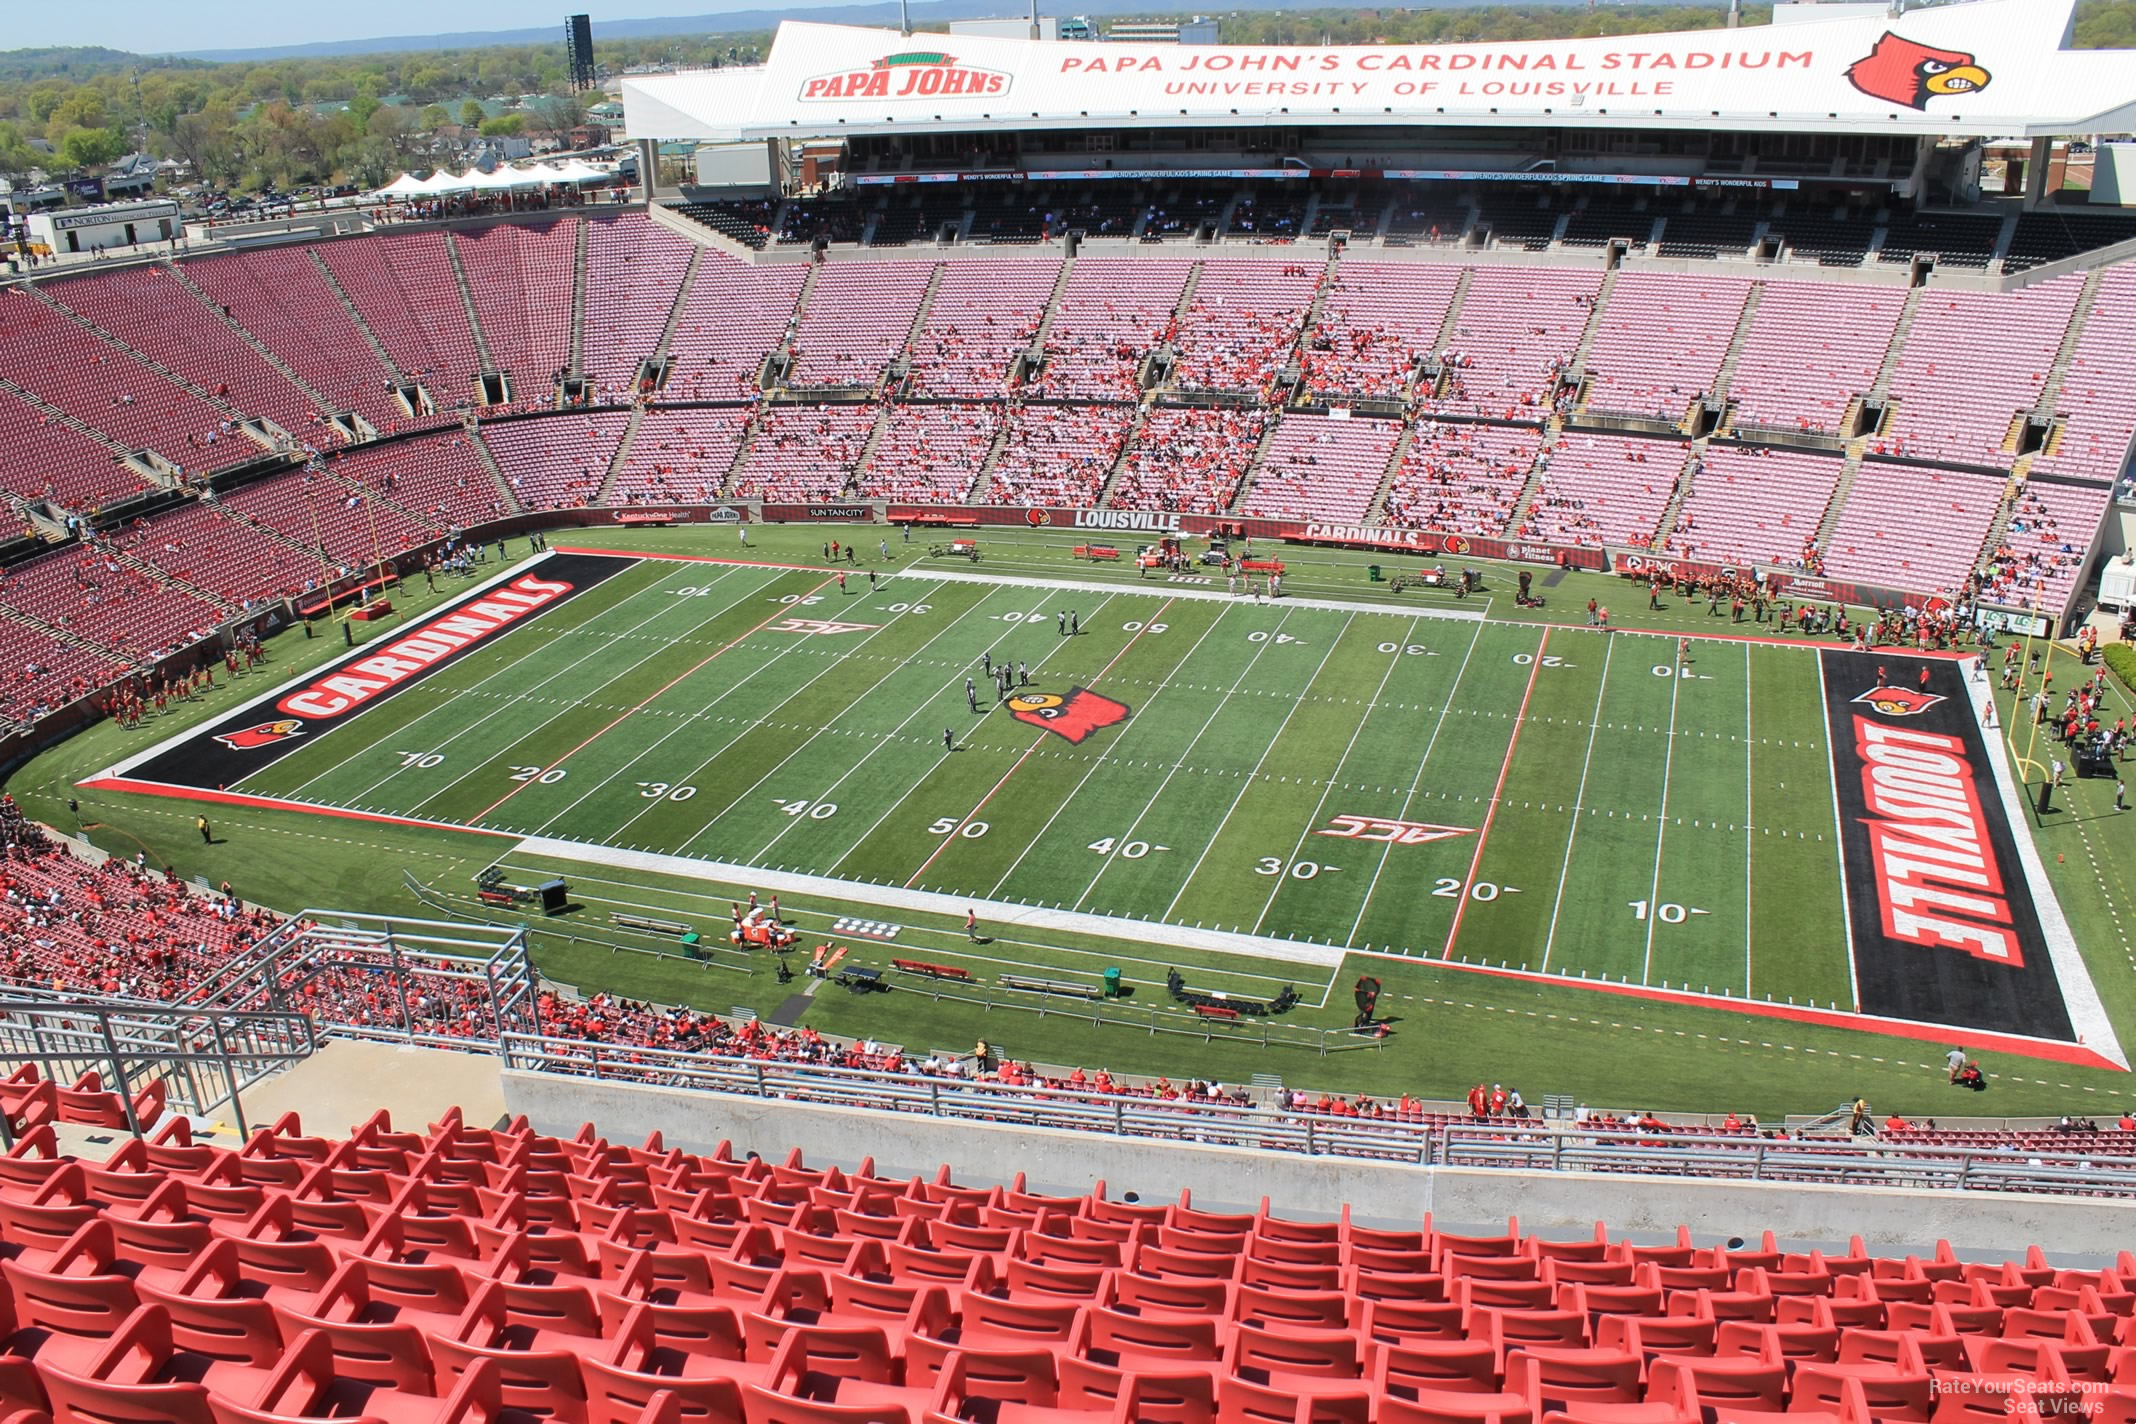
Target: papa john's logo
[
  {"x": 915, "y": 74},
  {"x": 1074, "y": 716},
  {"x": 1906, "y": 72},
  {"x": 265, "y": 734},
  {"x": 1899, "y": 701}
]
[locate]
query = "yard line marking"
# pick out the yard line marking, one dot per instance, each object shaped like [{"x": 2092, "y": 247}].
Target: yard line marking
[
  {"x": 1214, "y": 713},
  {"x": 1750, "y": 815},
  {"x": 825, "y": 794},
  {"x": 1661, "y": 832},
  {"x": 689, "y": 721},
  {"x": 527, "y": 693},
  {"x": 1483, "y": 836},
  {"x": 1246, "y": 781},
  {"x": 537, "y": 650},
  {"x": 1416, "y": 780},
  {"x": 779, "y": 612},
  {"x": 1594, "y": 725},
  {"x": 1839, "y": 839},
  {"x": 1059, "y": 644},
  {"x": 1102, "y": 758},
  {"x": 1334, "y": 776},
  {"x": 947, "y": 840}
]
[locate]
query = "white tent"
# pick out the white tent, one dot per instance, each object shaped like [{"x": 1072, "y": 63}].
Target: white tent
[
  {"x": 573, "y": 170},
  {"x": 442, "y": 182},
  {"x": 502, "y": 181},
  {"x": 406, "y": 186}
]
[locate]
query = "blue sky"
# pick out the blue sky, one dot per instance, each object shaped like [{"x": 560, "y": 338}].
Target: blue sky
[{"x": 163, "y": 27}]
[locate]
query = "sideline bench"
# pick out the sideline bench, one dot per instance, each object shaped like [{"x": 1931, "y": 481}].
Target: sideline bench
[
  {"x": 1051, "y": 986},
  {"x": 931, "y": 971},
  {"x": 1215, "y": 1011},
  {"x": 861, "y": 979},
  {"x": 650, "y": 925},
  {"x": 1096, "y": 553},
  {"x": 1261, "y": 566}
]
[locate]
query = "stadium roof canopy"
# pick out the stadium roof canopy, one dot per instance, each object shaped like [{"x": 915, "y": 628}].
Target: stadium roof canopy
[{"x": 1992, "y": 68}]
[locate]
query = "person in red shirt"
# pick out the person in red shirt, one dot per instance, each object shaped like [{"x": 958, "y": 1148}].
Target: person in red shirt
[
  {"x": 1498, "y": 1100},
  {"x": 1478, "y": 1101}
]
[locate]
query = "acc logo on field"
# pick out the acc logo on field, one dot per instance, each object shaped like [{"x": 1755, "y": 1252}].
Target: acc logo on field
[
  {"x": 1037, "y": 517},
  {"x": 1074, "y": 716},
  {"x": 265, "y": 734},
  {"x": 1899, "y": 701}
]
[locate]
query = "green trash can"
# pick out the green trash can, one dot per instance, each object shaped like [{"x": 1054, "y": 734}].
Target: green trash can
[
  {"x": 689, "y": 946},
  {"x": 1372, "y": 573},
  {"x": 1112, "y": 983}
]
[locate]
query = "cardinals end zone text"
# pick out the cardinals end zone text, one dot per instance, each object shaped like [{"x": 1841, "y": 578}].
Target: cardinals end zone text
[
  {"x": 1944, "y": 925},
  {"x": 353, "y": 684},
  {"x": 266, "y": 728}
]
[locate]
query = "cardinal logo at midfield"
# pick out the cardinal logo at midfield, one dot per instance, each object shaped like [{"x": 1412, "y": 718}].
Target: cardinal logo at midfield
[
  {"x": 1899, "y": 701},
  {"x": 1074, "y": 715}
]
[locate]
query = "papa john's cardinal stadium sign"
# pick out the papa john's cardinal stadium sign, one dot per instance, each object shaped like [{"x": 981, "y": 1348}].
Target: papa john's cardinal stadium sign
[{"x": 1992, "y": 67}]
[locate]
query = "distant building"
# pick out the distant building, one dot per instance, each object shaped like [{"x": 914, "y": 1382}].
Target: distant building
[
  {"x": 109, "y": 225},
  {"x": 132, "y": 176},
  {"x": 1049, "y": 28},
  {"x": 1195, "y": 31},
  {"x": 588, "y": 135}
]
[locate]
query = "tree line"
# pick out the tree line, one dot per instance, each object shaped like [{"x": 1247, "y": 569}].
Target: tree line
[{"x": 363, "y": 118}]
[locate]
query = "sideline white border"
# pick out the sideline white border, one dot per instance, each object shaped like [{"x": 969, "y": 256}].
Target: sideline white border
[
  {"x": 934, "y": 902},
  {"x": 1168, "y": 589},
  {"x": 2087, "y": 1015},
  {"x": 179, "y": 738}
]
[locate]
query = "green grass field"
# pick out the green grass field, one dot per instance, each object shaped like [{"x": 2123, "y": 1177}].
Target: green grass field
[{"x": 1458, "y": 784}]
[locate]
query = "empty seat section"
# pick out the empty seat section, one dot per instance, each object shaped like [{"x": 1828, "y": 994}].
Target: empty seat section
[
  {"x": 1958, "y": 387},
  {"x": 1376, "y": 320},
  {"x": 557, "y": 463},
  {"x": 1660, "y": 342},
  {"x": 1059, "y": 454},
  {"x": 1514, "y": 335},
  {"x": 680, "y": 456},
  {"x": 931, "y": 454},
  {"x": 984, "y": 315},
  {"x": 1113, "y": 313},
  {"x": 1754, "y": 506},
  {"x": 1912, "y": 528},
  {"x": 1603, "y": 489},
  {"x": 857, "y": 320},
  {"x": 1462, "y": 478},
  {"x": 634, "y": 268},
  {"x": 520, "y": 275},
  {"x": 1190, "y": 461},
  {"x": 734, "y": 317},
  {"x": 1319, "y": 468},
  {"x": 157, "y": 315},
  {"x": 279, "y": 295}
]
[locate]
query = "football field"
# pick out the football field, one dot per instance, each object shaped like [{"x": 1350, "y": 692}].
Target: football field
[{"x": 1357, "y": 776}]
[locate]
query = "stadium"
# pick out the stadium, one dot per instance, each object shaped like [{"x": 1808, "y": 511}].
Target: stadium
[{"x": 987, "y": 779}]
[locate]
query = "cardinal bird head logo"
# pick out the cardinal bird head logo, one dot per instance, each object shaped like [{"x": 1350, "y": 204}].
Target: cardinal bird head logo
[
  {"x": 1899, "y": 701},
  {"x": 1909, "y": 73},
  {"x": 264, "y": 734},
  {"x": 1037, "y": 518},
  {"x": 1074, "y": 715}
]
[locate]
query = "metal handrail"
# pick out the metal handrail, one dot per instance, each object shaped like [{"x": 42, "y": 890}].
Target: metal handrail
[
  {"x": 1552, "y": 1147},
  {"x": 63, "y": 1036}
]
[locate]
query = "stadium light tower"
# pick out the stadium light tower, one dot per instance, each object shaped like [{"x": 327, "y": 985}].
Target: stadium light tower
[{"x": 578, "y": 46}]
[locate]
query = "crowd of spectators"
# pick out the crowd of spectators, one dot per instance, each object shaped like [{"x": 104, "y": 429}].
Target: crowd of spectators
[{"x": 1189, "y": 460}]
